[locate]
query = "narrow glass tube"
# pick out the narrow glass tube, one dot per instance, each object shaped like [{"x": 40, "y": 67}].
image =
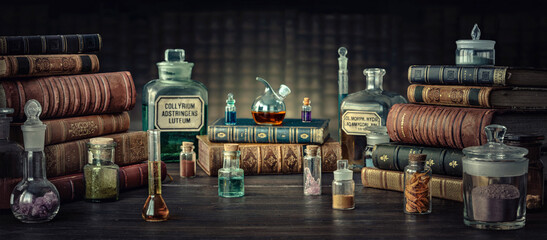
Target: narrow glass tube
[{"x": 155, "y": 209}]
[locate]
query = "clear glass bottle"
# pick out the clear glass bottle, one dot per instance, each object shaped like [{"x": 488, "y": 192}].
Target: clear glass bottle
[
  {"x": 475, "y": 52},
  {"x": 175, "y": 104},
  {"x": 361, "y": 110},
  {"x": 230, "y": 110},
  {"x": 11, "y": 153},
  {"x": 155, "y": 209},
  {"x": 343, "y": 187},
  {"x": 312, "y": 170},
  {"x": 306, "y": 110},
  {"x": 417, "y": 191},
  {"x": 187, "y": 160},
  {"x": 101, "y": 174},
  {"x": 377, "y": 135},
  {"x": 494, "y": 183},
  {"x": 230, "y": 176},
  {"x": 269, "y": 108},
  {"x": 34, "y": 199}
]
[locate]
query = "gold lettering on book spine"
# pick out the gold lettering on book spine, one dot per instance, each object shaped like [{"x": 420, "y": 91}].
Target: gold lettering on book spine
[
  {"x": 82, "y": 129},
  {"x": 499, "y": 76}
]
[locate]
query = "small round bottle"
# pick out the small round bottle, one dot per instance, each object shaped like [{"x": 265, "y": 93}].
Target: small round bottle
[
  {"x": 187, "y": 160},
  {"x": 101, "y": 174},
  {"x": 417, "y": 191},
  {"x": 343, "y": 187},
  {"x": 312, "y": 170}
]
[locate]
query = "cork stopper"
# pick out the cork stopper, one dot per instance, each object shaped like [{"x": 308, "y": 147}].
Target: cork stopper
[
  {"x": 187, "y": 146},
  {"x": 232, "y": 147},
  {"x": 312, "y": 149},
  {"x": 101, "y": 141},
  {"x": 417, "y": 157},
  {"x": 306, "y": 101}
]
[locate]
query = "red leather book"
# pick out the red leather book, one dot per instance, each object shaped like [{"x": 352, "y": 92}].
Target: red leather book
[
  {"x": 76, "y": 128},
  {"x": 47, "y": 65},
  {"x": 72, "y": 188},
  {"x": 67, "y": 96}
]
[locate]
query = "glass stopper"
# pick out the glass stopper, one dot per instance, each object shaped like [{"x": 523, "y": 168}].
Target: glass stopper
[
  {"x": 284, "y": 90},
  {"x": 476, "y": 32},
  {"x": 342, "y": 51},
  {"x": 230, "y": 99},
  {"x": 342, "y": 164},
  {"x": 495, "y": 133},
  {"x": 174, "y": 55},
  {"x": 373, "y": 73},
  {"x": 33, "y": 109}
]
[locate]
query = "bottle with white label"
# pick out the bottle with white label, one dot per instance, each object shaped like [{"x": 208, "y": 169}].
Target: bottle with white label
[
  {"x": 361, "y": 110},
  {"x": 175, "y": 104}
]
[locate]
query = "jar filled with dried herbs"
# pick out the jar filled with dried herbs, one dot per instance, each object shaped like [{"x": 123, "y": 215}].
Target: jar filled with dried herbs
[
  {"x": 101, "y": 174},
  {"x": 417, "y": 199}
]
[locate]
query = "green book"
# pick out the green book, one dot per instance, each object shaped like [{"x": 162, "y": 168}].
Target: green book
[{"x": 290, "y": 131}]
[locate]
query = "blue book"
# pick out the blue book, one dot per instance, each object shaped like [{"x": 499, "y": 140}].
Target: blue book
[{"x": 290, "y": 131}]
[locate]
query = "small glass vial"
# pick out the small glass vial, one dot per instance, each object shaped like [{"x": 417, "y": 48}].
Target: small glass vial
[
  {"x": 230, "y": 176},
  {"x": 343, "y": 187},
  {"x": 306, "y": 110},
  {"x": 312, "y": 170},
  {"x": 187, "y": 160},
  {"x": 417, "y": 192},
  {"x": 101, "y": 174},
  {"x": 155, "y": 209},
  {"x": 475, "y": 52},
  {"x": 230, "y": 110},
  {"x": 377, "y": 135}
]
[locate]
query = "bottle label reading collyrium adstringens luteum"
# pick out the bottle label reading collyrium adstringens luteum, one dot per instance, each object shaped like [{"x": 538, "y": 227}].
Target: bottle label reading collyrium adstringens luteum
[{"x": 179, "y": 113}]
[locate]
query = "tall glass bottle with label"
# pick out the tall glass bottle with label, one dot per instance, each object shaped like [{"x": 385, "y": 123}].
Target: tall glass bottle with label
[
  {"x": 361, "y": 110},
  {"x": 175, "y": 104}
]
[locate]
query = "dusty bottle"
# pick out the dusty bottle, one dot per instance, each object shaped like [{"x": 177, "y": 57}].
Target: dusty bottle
[
  {"x": 269, "y": 108},
  {"x": 101, "y": 174},
  {"x": 417, "y": 192},
  {"x": 343, "y": 187},
  {"x": 155, "y": 209},
  {"x": 312, "y": 170},
  {"x": 187, "y": 160}
]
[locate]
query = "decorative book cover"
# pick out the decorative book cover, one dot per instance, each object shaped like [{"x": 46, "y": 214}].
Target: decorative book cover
[
  {"x": 76, "y": 128},
  {"x": 260, "y": 158},
  {"x": 291, "y": 131},
  {"x": 67, "y": 96},
  {"x": 47, "y": 65},
  {"x": 50, "y": 44}
]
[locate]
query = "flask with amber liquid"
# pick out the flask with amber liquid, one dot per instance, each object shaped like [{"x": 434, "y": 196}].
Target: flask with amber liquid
[
  {"x": 155, "y": 209},
  {"x": 269, "y": 108}
]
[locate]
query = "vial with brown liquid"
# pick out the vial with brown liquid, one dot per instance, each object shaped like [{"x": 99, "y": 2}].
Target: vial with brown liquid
[{"x": 155, "y": 209}]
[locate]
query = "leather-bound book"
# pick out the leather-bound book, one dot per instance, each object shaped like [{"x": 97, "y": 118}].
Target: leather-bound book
[
  {"x": 50, "y": 44},
  {"x": 67, "y": 96},
  {"x": 260, "y": 158},
  {"x": 47, "y": 65},
  {"x": 76, "y": 128}
]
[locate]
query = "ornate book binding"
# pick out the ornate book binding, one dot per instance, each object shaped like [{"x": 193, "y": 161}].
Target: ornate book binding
[
  {"x": 460, "y": 96},
  {"x": 47, "y": 65},
  {"x": 50, "y": 44},
  {"x": 441, "y": 187},
  {"x": 454, "y": 75}
]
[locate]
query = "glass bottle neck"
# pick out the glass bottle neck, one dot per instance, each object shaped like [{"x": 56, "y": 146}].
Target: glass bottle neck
[
  {"x": 374, "y": 82},
  {"x": 34, "y": 165},
  {"x": 231, "y": 159},
  {"x": 416, "y": 165}
]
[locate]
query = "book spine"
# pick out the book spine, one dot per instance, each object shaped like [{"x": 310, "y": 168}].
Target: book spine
[
  {"x": 443, "y": 161},
  {"x": 441, "y": 187},
  {"x": 439, "y": 126},
  {"x": 460, "y": 96},
  {"x": 266, "y": 134},
  {"x": 47, "y": 65},
  {"x": 70, "y": 157},
  {"x": 50, "y": 44},
  {"x": 453, "y": 75},
  {"x": 76, "y": 128},
  {"x": 74, "y": 95}
]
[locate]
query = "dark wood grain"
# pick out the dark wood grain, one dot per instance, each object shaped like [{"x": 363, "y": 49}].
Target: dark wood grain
[{"x": 273, "y": 207}]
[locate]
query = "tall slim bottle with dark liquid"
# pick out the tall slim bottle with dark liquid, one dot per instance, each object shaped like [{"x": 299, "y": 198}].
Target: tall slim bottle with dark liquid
[
  {"x": 362, "y": 110},
  {"x": 175, "y": 104},
  {"x": 155, "y": 209}
]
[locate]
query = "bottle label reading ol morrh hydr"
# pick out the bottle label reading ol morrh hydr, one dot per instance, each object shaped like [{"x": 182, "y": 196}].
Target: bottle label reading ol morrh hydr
[
  {"x": 179, "y": 113},
  {"x": 357, "y": 122}
]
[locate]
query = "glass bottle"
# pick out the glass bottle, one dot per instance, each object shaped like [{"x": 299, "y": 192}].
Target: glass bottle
[
  {"x": 312, "y": 170},
  {"x": 101, "y": 174},
  {"x": 361, "y": 110},
  {"x": 230, "y": 176},
  {"x": 230, "y": 110},
  {"x": 34, "y": 199},
  {"x": 175, "y": 104},
  {"x": 187, "y": 160},
  {"x": 10, "y": 152},
  {"x": 306, "y": 110},
  {"x": 417, "y": 191},
  {"x": 343, "y": 187},
  {"x": 269, "y": 108},
  {"x": 475, "y": 52},
  {"x": 377, "y": 135},
  {"x": 155, "y": 209}
]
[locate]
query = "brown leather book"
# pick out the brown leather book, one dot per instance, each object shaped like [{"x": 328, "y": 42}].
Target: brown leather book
[
  {"x": 47, "y": 65},
  {"x": 266, "y": 158},
  {"x": 441, "y": 186},
  {"x": 71, "y": 187},
  {"x": 67, "y": 96},
  {"x": 473, "y": 96},
  {"x": 76, "y": 128}
]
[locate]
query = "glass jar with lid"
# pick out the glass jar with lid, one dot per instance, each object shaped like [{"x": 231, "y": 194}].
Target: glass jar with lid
[
  {"x": 475, "y": 52},
  {"x": 494, "y": 183}
]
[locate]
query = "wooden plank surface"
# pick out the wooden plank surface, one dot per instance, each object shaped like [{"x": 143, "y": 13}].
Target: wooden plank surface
[{"x": 273, "y": 207}]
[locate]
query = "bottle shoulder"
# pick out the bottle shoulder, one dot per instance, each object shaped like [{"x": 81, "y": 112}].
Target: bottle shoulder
[
  {"x": 373, "y": 98},
  {"x": 174, "y": 84},
  {"x": 159, "y": 87}
]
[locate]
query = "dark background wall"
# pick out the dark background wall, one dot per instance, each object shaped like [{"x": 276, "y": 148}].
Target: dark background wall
[{"x": 291, "y": 42}]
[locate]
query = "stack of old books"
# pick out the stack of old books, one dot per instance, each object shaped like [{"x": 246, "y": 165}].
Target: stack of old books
[
  {"x": 268, "y": 149},
  {"x": 60, "y": 72},
  {"x": 448, "y": 110}
]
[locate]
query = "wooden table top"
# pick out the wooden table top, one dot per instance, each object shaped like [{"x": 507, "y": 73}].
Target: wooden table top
[{"x": 273, "y": 207}]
